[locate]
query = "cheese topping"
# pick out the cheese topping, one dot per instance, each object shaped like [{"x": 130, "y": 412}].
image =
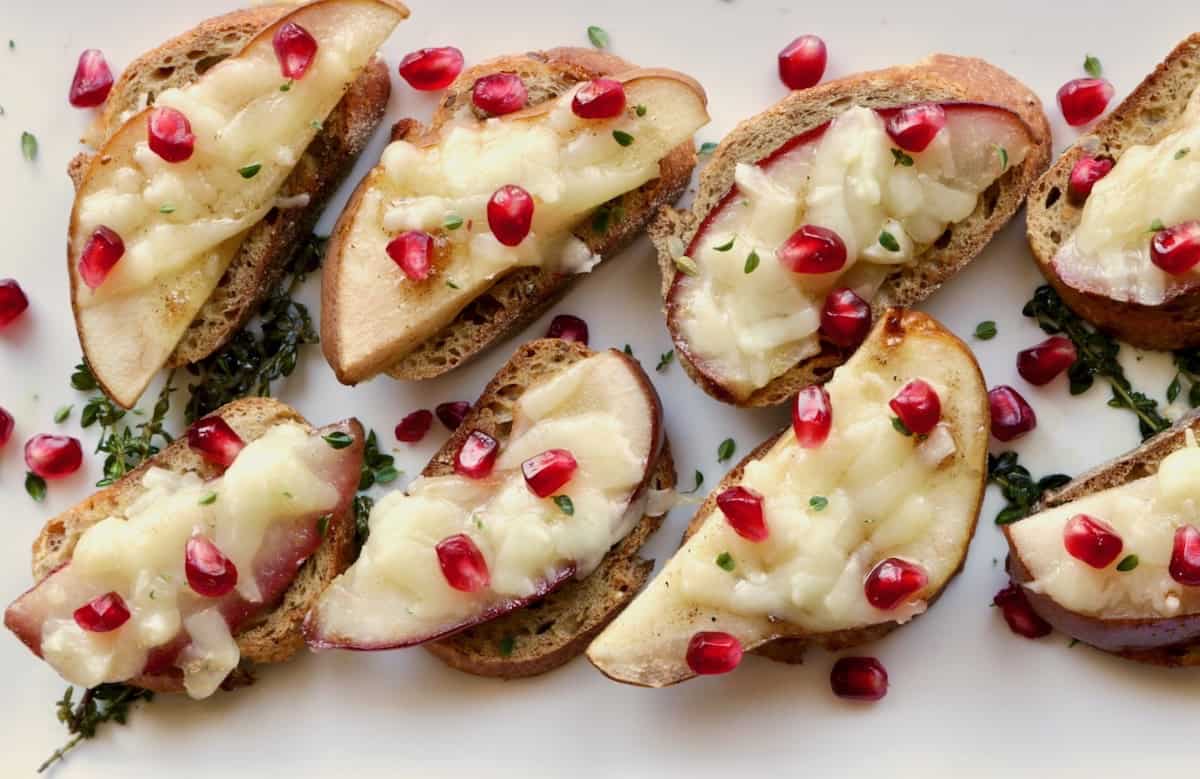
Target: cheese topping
[
  {"x": 750, "y": 326},
  {"x": 1109, "y": 252},
  {"x": 1145, "y": 513},
  {"x": 396, "y": 593}
]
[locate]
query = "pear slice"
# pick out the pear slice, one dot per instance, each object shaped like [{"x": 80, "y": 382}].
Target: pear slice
[{"x": 868, "y": 493}]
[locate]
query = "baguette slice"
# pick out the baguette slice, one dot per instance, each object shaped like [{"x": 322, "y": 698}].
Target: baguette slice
[
  {"x": 938, "y": 78},
  {"x": 1150, "y": 112},
  {"x": 278, "y": 636},
  {"x": 264, "y": 251},
  {"x": 521, "y": 296}
]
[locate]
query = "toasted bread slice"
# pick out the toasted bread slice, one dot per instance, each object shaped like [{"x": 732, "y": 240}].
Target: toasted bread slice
[
  {"x": 1149, "y": 113},
  {"x": 519, "y": 297},
  {"x": 278, "y": 636},
  {"x": 939, "y": 78}
]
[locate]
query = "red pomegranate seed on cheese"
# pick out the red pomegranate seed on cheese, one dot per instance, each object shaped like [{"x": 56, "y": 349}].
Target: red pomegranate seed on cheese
[
  {"x": 431, "y": 69},
  {"x": 92, "y": 81},
  {"x": 918, "y": 406},
  {"x": 891, "y": 582},
  {"x": 477, "y": 456},
  {"x": 1092, "y": 541},
  {"x": 12, "y": 301},
  {"x": 601, "y": 98},
  {"x": 1083, "y": 99},
  {"x": 103, "y": 250},
  {"x": 1185, "y": 556},
  {"x": 1012, "y": 417},
  {"x": 499, "y": 94},
  {"x": 102, "y": 614},
  {"x": 7, "y": 423},
  {"x": 413, "y": 252},
  {"x": 53, "y": 456},
  {"x": 462, "y": 563},
  {"x": 1084, "y": 175},
  {"x": 1177, "y": 249},
  {"x": 295, "y": 48},
  {"x": 811, "y": 250},
  {"x": 743, "y": 509},
  {"x": 209, "y": 572},
  {"x": 845, "y": 318},
  {"x": 568, "y": 328},
  {"x": 802, "y": 62},
  {"x": 1042, "y": 363},
  {"x": 413, "y": 427},
  {"x": 859, "y": 679},
  {"x": 170, "y": 134},
  {"x": 453, "y": 413},
  {"x": 812, "y": 416},
  {"x": 510, "y": 214},
  {"x": 1020, "y": 616},
  {"x": 215, "y": 441},
  {"x": 547, "y": 472},
  {"x": 713, "y": 652},
  {"x": 914, "y": 127}
]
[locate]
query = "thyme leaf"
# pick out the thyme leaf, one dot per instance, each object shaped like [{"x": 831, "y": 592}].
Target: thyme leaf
[
  {"x": 1019, "y": 488},
  {"x": 98, "y": 705}
]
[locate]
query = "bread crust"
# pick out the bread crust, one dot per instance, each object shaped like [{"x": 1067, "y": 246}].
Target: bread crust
[
  {"x": 937, "y": 78},
  {"x": 1145, "y": 116}
]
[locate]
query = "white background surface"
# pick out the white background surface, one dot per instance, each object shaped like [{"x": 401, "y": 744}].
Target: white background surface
[{"x": 967, "y": 696}]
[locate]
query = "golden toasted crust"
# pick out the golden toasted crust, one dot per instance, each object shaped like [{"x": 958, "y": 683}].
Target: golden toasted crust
[
  {"x": 938, "y": 78},
  {"x": 1149, "y": 113}
]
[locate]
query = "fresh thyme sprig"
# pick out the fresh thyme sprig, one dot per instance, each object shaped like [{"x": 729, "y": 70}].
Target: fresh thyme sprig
[
  {"x": 1187, "y": 366},
  {"x": 105, "y": 703},
  {"x": 126, "y": 446},
  {"x": 1018, "y": 487}
]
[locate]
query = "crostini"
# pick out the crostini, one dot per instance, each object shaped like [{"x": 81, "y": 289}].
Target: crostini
[
  {"x": 1115, "y": 223},
  {"x": 200, "y": 563},
  {"x": 545, "y": 493},
  {"x": 832, "y": 533},
  {"x": 841, "y": 200},
  {"x": 1113, "y": 558},
  {"x": 212, "y": 161},
  {"x": 470, "y": 229}
]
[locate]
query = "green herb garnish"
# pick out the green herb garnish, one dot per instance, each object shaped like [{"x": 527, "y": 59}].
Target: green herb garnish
[
  {"x": 686, "y": 265},
  {"x": 338, "y": 439},
  {"x": 751, "y": 262},
  {"x": 1019, "y": 488},
  {"x": 451, "y": 284},
  {"x": 900, "y": 427},
  {"x": 706, "y": 148},
  {"x": 889, "y": 242},
  {"x": 622, "y": 137},
  {"x": 639, "y": 109},
  {"x": 725, "y": 450},
  {"x": 1002, "y": 153},
  {"x": 377, "y": 467},
  {"x": 208, "y": 499},
  {"x": 726, "y": 246},
  {"x": 1092, "y": 66},
  {"x": 564, "y": 504},
  {"x": 900, "y": 158},
  {"x": 985, "y": 330},
  {"x": 98, "y": 705},
  {"x": 35, "y": 485},
  {"x": 62, "y": 414},
  {"x": 598, "y": 37},
  {"x": 628, "y": 350},
  {"x": 250, "y": 171},
  {"x": 1128, "y": 563},
  {"x": 1179, "y": 155},
  {"x": 818, "y": 502},
  {"x": 1156, "y": 226},
  {"x": 125, "y": 446},
  {"x": 166, "y": 208},
  {"x": 699, "y": 481},
  {"x": 452, "y": 222},
  {"x": 664, "y": 360},
  {"x": 29, "y": 146},
  {"x": 323, "y": 525},
  {"x": 506, "y": 646},
  {"x": 362, "y": 516},
  {"x": 725, "y": 561}
]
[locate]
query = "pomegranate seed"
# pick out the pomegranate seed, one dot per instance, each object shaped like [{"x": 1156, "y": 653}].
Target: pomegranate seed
[
  {"x": 7, "y": 423},
  {"x": 845, "y": 319},
  {"x": 1084, "y": 175},
  {"x": 452, "y": 414},
  {"x": 170, "y": 134},
  {"x": 413, "y": 252},
  {"x": 510, "y": 214},
  {"x": 209, "y": 572},
  {"x": 414, "y": 426},
  {"x": 1019, "y": 615},
  {"x": 892, "y": 581},
  {"x": 545, "y": 473},
  {"x": 743, "y": 509},
  {"x": 462, "y": 563},
  {"x": 1042, "y": 363},
  {"x": 812, "y": 249},
  {"x": 602, "y": 98},
  {"x": 430, "y": 69},
  {"x": 295, "y": 48},
  {"x": 859, "y": 679},
  {"x": 1177, "y": 249},
  {"x": 215, "y": 441},
  {"x": 914, "y": 127},
  {"x": 102, "y": 614},
  {"x": 1185, "y": 556},
  {"x": 568, "y": 328},
  {"x": 1083, "y": 99},
  {"x": 1091, "y": 541},
  {"x": 499, "y": 94},
  {"x": 92, "y": 81},
  {"x": 802, "y": 62},
  {"x": 812, "y": 416},
  {"x": 12, "y": 301},
  {"x": 103, "y": 250},
  {"x": 477, "y": 456},
  {"x": 1012, "y": 417},
  {"x": 918, "y": 406},
  {"x": 713, "y": 652},
  {"x": 53, "y": 456}
]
